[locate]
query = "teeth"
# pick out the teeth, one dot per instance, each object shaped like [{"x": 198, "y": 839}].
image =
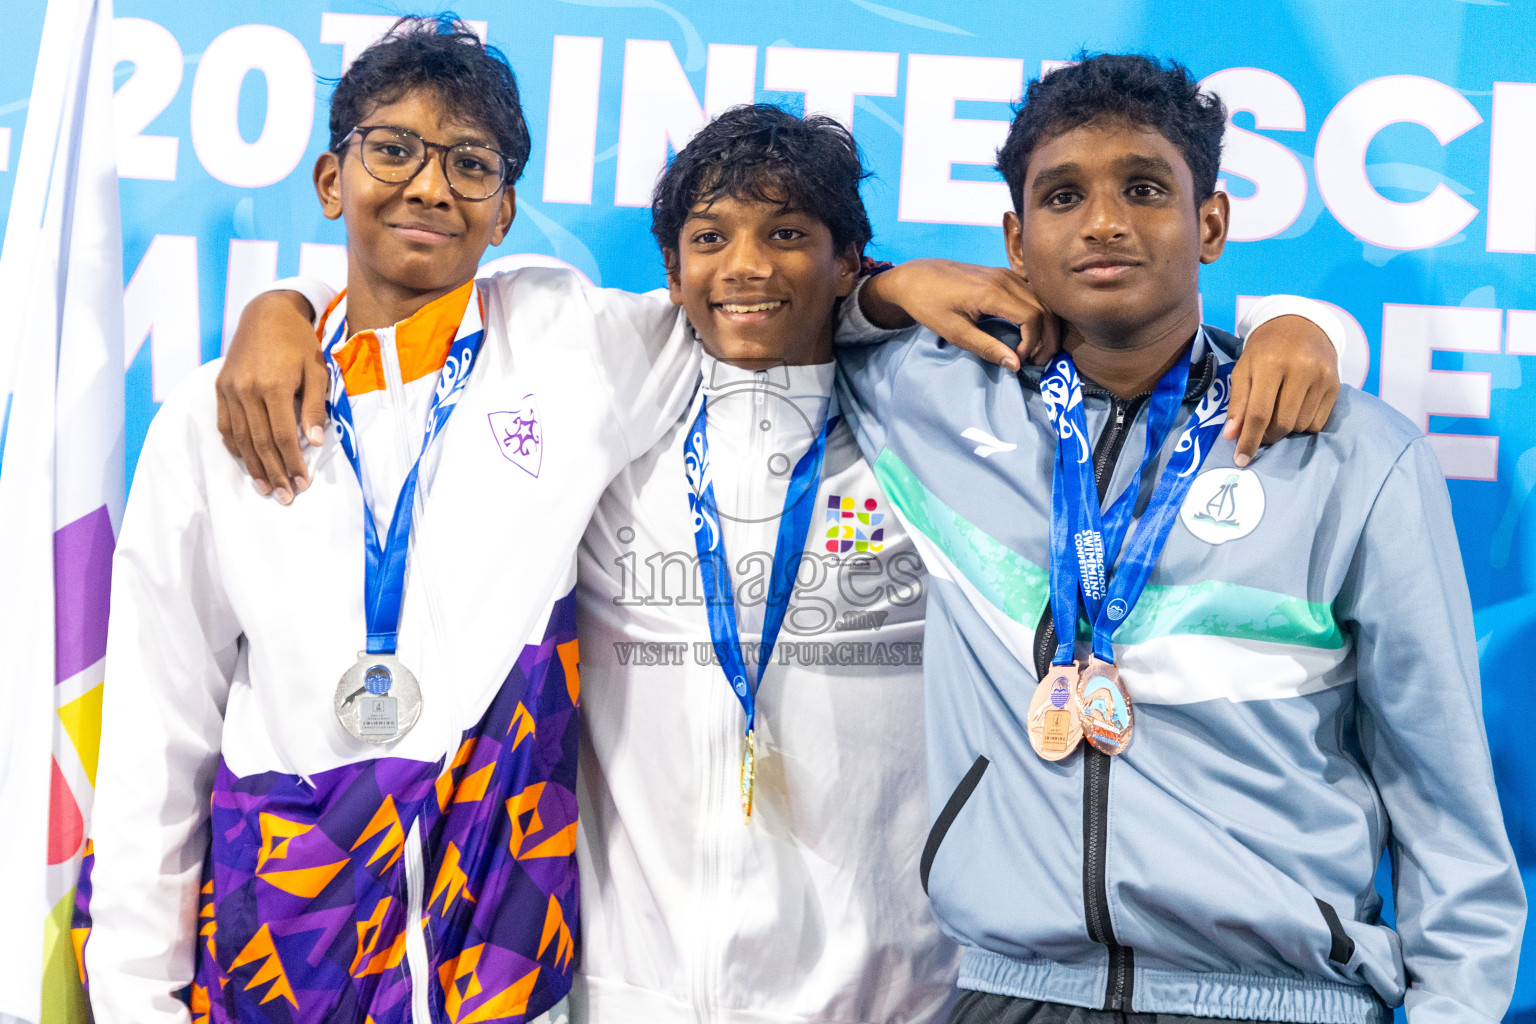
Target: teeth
[{"x": 731, "y": 307}]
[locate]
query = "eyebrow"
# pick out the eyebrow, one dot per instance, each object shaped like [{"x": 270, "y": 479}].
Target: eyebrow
[
  {"x": 1132, "y": 165},
  {"x": 1051, "y": 177},
  {"x": 708, "y": 214},
  {"x": 1150, "y": 166}
]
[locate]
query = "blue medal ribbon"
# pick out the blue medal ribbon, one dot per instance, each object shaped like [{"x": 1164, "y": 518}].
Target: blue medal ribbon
[
  {"x": 1086, "y": 542},
  {"x": 714, "y": 567},
  {"x": 384, "y": 580}
]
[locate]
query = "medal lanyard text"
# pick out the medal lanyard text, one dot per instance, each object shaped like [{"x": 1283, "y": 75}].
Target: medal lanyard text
[{"x": 1085, "y": 543}]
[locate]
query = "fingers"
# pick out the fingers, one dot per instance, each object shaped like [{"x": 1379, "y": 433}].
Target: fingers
[
  {"x": 1050, "y": 339},
  {"x": 1317, "y": 407},
  {"x": 225, "y": 432},
  {"x": 1255, "y": 418},
  {"x": 263, "y": 441},
  {"x": 1004, "y": 294},
  {"x": 239, "y": 442},
  {"x": 312, "y": 396},
  {"x": 1237, "y": 405},
  {"x": 966, "y": 335},
  {"x": 282, "y": 418},
  {"x": 1287, "y": 411}
]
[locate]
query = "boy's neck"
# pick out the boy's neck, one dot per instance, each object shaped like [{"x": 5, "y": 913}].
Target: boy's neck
[
  {"x": 815, "y": 354},
  {"x": 1128, "y": 365},
  {"x": 374, "y": 305}
]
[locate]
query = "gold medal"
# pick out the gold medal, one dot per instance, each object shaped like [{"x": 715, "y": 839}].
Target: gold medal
[
  {"x": 1106, "y": 707},
  {"x": 1055, "y": 727},
  {"x": 748, "y": 777}
]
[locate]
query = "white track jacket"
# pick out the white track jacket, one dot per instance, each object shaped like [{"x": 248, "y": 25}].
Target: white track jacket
[
  {"x": 813, "y": 910},
  {"x": 245, "y": 844}
]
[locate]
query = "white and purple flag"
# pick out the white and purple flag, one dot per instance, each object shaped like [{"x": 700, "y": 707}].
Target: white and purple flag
[{"x": 61, "y": 497}]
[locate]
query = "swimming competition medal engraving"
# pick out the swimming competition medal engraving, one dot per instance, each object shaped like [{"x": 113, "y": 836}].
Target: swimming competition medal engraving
[
  {"x": 1086, "y": 541},
  {"x": 1106, "y": 708},
  {"x": 714, "y": 573},
  {"x": 378, "y": 699},
  {"x": 1055, "y": 727}
]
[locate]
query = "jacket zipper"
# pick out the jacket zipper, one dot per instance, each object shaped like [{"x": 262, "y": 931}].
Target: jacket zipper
[
  {"x": 1119, "y": 987},
  {"x": 717, "y": 764},
  {"x": 721, "y": 807},
  {"x": 417, "y": 961}
]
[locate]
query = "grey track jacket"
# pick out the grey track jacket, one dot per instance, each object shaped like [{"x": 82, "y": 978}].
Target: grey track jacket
[{"x": 1306, "y": 692}]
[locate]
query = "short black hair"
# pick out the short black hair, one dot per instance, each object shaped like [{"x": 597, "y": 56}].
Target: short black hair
[
  {"x": 1129, "y": 87},
  {"x": 442, "y": 54},
  {"x": 763, "y": 153}
]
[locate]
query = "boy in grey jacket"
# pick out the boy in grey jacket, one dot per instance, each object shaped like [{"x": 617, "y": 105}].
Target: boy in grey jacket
[{"x": 1273, "y": 676}]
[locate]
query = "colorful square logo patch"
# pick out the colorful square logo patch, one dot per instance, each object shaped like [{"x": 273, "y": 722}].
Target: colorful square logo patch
[{"x": 854, "y": 526}]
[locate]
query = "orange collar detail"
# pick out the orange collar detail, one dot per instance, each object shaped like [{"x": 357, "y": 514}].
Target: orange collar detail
[{"x": 422, "y": 342}]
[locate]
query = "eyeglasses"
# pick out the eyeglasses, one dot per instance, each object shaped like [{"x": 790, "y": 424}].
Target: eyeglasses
[{"x": 394, "y": 155}]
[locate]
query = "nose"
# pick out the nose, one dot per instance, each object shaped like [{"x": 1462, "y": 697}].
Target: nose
[
  {"x": 1104, "y": 217},
  {"x": 430, "y": 186},
  {"x": 747, "y": 259}
]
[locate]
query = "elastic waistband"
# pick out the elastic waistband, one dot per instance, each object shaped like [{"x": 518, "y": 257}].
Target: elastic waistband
[{"x": 1247, "y": 997}]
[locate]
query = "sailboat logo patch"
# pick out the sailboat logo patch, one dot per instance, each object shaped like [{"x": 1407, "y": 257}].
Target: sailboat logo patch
[{"x": 1223, "y": 504}]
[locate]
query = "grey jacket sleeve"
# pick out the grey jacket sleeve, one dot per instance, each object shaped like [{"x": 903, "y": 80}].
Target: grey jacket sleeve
[{"x": 1460, "y": 904}]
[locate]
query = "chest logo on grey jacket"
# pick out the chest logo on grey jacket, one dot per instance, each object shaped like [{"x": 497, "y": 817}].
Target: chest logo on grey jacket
[
  {"x": 520, "y": 436},
  {"x": 986, "y": 443},
  {"x": 1223, "y": 504}
]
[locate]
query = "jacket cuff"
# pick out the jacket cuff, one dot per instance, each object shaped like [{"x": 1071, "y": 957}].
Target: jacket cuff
[{"x": 1272, "y": 307}]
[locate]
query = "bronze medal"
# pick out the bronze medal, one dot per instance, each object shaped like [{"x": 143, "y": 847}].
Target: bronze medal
[
  {"x": 1055, "y": 728},
  {"x": 1105, "y": 705}
]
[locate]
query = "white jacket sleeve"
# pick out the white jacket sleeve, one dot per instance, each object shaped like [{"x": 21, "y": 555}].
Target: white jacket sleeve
[
  {"x": 172, "y": 646},
  {"x": 1273, "y": 307},
  {"x": 320, "y": 295},
  {"x": 647, "y": 361}
]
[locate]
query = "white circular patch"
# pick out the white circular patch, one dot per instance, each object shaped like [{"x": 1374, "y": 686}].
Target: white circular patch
[{"x": 1223, "y": 505}]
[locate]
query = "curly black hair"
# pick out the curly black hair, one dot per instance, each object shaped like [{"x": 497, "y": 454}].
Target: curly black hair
[
  {"x": 1119, "y": 86},
  {"x": 442, "y": 54},
  {"x": 763, "y": 153}
]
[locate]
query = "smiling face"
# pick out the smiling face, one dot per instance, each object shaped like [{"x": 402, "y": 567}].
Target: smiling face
[
  {"x": 759, "y": 281},
  {"x": 1111, "y": 237},
  {"x": 409, "y": 242}
]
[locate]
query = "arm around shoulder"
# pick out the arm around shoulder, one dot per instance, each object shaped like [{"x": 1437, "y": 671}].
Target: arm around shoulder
[{"x": 644, "y": 355}]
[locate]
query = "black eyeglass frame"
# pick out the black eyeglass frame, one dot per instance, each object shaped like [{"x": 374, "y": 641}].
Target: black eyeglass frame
[{"x": 361, "y": 133}]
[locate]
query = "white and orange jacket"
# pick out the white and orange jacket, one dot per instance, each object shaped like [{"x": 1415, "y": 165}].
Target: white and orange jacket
[{"x": 244, "y": 844}]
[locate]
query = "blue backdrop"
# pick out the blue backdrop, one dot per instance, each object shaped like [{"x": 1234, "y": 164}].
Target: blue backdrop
[{"x": 1383, "y": 160}]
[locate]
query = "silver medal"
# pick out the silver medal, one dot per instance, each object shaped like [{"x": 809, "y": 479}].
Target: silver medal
[{"x": 378, "y": 699}]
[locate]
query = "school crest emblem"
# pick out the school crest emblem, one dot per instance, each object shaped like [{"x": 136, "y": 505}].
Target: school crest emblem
[
  {"x": 1223, "y": 504},
  {"x": 520, "y": 436}
]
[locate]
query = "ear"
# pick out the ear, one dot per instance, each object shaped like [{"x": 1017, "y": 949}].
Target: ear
[
  {"x": 1215, "y": 217},
  {"x": 505, "y": 214},
  {"x": 328, "y": 184},
  {"x": 674, "y": 276},
  {"x": 849, "y": 263},
  {"x": 1013, "y": 241}
]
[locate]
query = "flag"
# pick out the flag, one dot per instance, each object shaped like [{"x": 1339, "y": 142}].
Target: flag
[{"x": 61, "y": 497}]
